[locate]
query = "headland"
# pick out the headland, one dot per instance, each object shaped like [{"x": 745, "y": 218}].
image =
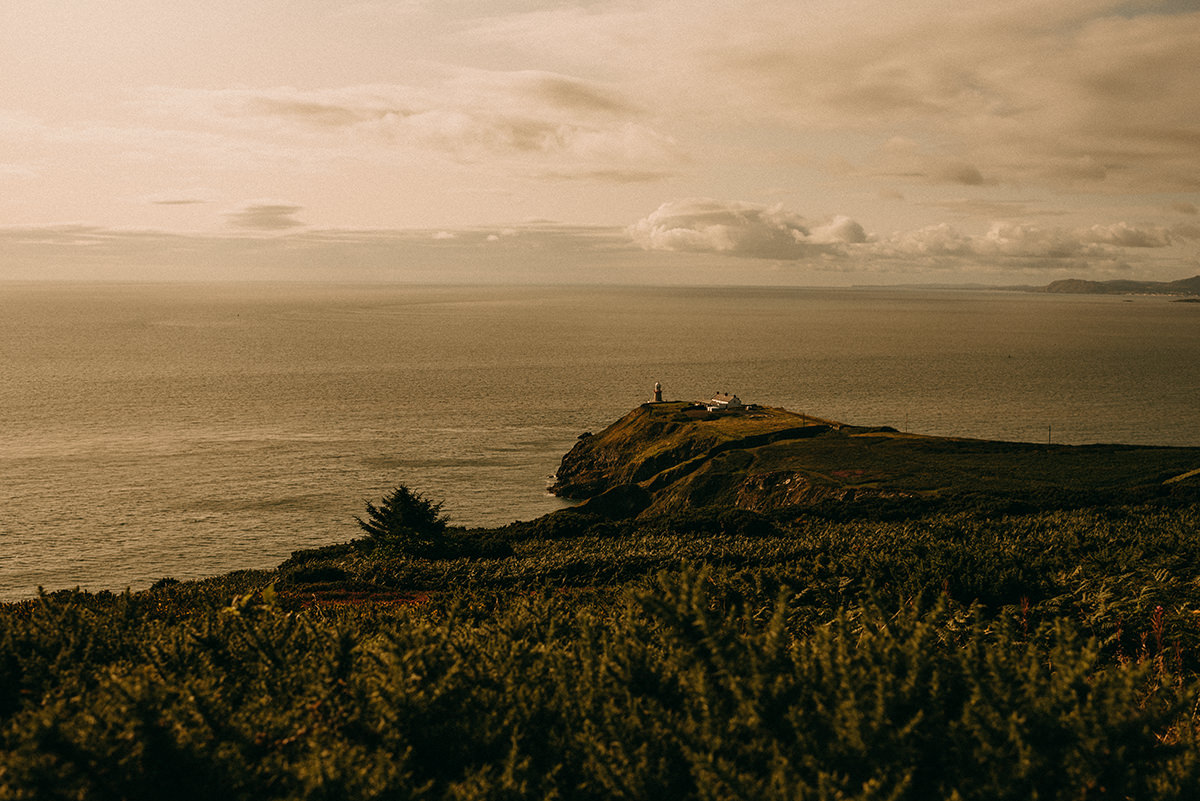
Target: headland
[{"x": 664, "y": 458}]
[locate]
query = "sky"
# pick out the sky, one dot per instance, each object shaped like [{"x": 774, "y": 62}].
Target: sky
[{"x": 654, "y": 141}]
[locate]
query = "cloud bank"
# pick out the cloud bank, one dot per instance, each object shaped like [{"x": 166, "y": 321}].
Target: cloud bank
[
  {"x": 701, "y": 225},
  {"x": 1027, "y": 135},
  {"x": 754, "y": 231},
  {"x": 740, "y": 242},
  {"x": 1091, "y": 96}
]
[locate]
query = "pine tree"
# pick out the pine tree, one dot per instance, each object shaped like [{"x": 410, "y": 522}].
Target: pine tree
[{"x": 405, "y": 518}]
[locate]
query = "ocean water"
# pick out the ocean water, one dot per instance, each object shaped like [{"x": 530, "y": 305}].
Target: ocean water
[{"x": 149, "y": 431}]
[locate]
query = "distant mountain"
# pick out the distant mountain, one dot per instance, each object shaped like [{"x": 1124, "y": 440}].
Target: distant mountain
[{"x": 1076, "y": 286}]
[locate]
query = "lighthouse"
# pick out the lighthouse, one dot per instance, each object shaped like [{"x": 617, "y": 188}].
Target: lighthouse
[{"x": 657, "y": 393}]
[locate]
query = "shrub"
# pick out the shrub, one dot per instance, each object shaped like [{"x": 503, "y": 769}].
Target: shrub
[{"x": 746, "y": 523}]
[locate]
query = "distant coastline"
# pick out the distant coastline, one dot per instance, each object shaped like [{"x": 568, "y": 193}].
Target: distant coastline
[
  {"x": 1184, "y": 287},
  {"x": 1076, "y": 286}
]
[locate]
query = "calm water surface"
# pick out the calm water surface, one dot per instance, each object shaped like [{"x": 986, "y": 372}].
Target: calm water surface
[{"x": 152, "y": 431}]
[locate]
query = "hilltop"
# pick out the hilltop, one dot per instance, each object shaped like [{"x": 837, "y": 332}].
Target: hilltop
[
  {"x": 1077, "y": 286},
  {"x": 671, "y": 457}
]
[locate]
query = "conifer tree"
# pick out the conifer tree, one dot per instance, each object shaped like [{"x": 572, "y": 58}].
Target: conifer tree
[{"x": 406, "y": 518}]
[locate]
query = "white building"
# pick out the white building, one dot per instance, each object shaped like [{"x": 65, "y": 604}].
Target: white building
[{"x": 724, "y": 402}]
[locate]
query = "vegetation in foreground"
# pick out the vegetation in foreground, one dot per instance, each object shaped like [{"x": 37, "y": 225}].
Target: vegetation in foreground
[{"x": 713, "y": 654}]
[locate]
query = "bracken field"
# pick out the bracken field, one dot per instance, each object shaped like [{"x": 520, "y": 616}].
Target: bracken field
[{"x": 719, "y": 654}]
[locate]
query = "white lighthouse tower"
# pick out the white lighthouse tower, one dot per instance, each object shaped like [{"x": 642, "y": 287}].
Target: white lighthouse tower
[{"x": 657, "y": 393}]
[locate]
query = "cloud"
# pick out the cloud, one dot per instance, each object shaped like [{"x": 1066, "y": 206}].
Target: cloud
[
  {"x": 1009, "y": 245},
  {"x": 583, "y": 96},
  {"x": 702, "y": 225},
  {"x": 538, "y": 252},
  {"x": 548, "y": 252},
  {"x": 186, "y": 201},
  {"x": 1189, "y": 231},
  {"x": 903, "y": 157},
  {"x": 1063, "y": 97},
  {"x": 1128, "y": 236},
  {"x": 990, "y": 208},
  {"x": 754, "y": 231},
  {"x": 16, "y": 171},
  {"x": 1030, "y": 241},
  {"x": 1093, "y": 95},
  {"x": 536, "y": 121},
  {"x": 957, "y": 172},
  {"x": 613, "y": 176},
  {"x": 938, "y": 240},
  {"x": 62, "y": 234},
  {"x": 839, "y": 230},
  {"x": 265, "y": 216}
]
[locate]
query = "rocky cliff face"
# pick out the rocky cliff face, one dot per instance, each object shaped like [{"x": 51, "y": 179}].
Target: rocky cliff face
[
  {"x": 676, "y": 454},
  {"x": 642, "y": 443},
  {"x": 659, "y": 437}
]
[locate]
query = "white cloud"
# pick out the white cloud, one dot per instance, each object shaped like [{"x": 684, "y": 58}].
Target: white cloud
[
  {"x": 1009, "y": 245},
  {"x": 1030, "y": 241},
  {"x": 703, "y": 225},
  {"x": 756, "y": 231},
  {"x": 937, "y": 240},
  {"x": 839, "y": 230},
  {"x": 1127, "y": 236}
]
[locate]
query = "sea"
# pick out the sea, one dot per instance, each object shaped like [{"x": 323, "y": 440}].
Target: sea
[{"x": 186, "y": 430}]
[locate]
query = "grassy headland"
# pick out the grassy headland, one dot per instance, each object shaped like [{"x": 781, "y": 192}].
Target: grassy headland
[
  {"x": 747, "y": 606},
  {"x": 675, "y": 457}
]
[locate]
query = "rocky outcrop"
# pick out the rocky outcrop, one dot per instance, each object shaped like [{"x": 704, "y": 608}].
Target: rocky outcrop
[
  {"x": 667, "y": 457},
  {"x": 657, "y": 439}
]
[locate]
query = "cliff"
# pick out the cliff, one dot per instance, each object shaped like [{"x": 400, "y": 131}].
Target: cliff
[
  {"x": 656, "y": 439},
  {"x": 671, "y": 457}
]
